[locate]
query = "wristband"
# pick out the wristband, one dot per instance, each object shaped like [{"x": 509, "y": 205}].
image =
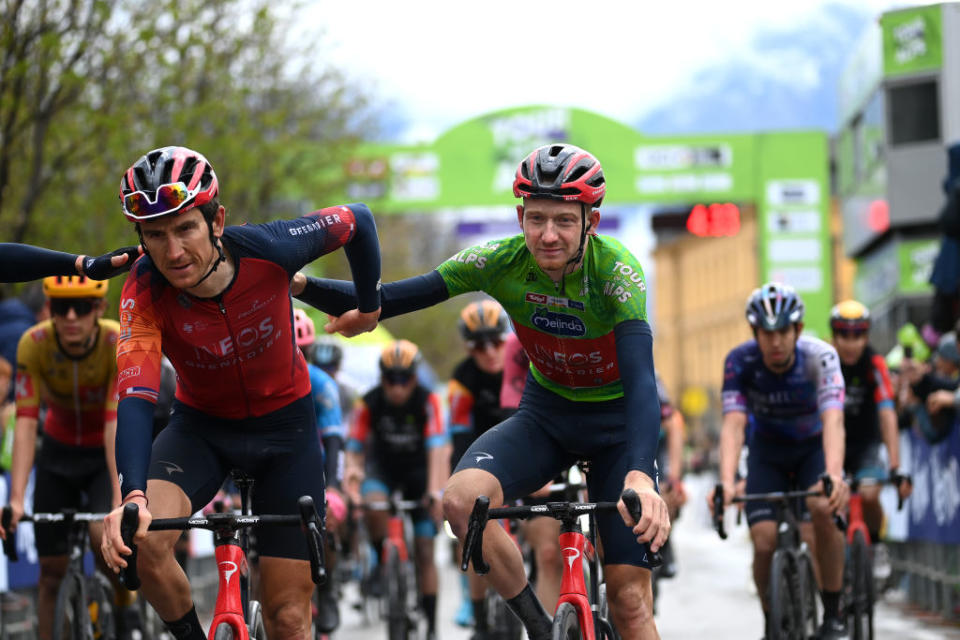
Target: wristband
[{"x": 137, "y": 494}]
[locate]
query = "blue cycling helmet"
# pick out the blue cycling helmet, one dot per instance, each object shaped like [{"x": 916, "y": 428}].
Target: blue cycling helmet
[{"x": 774, "y": 306}]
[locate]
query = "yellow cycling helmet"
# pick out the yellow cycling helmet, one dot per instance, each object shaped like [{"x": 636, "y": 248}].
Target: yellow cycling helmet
[
  {"x": 850, "y": 315},
  {"x": 74, "y": 287},
  {"x": 484, "y": 319},
  {"x": 399, "y": 356}
]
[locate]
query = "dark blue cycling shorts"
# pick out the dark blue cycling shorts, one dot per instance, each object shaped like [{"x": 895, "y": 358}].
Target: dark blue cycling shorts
[
  {"x": 280, "y": 451},
  {"x": 547, "y": 435},
  {"x": 780, "y": 465}
]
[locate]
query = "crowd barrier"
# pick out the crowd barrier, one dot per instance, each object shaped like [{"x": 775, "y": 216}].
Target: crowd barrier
[{"x": 925, "y": 536}]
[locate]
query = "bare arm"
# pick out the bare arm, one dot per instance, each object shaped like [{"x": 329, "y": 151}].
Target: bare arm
[
  {"x": 833, "y": 441},
  {"x": 24, "y": 449},
  {"x": 891, "y": 436},
  {"x": 675, "y": 446},
  {"x": 438, "y": 468},
  {"x": 731, "y": 443}
]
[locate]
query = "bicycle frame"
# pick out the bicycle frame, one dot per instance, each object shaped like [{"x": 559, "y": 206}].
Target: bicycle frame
[
  {"x": 231, "y": 601},
  {"x": 574, "y": 547}
]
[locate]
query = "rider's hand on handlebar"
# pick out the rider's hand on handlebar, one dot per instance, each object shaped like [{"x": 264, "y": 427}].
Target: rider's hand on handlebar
[
  {"x": 16, "y": 512},
  {"x": 353, "y": 323},
  {"x": 112, "y": 547},
  {"x": 841, "y": 493},
  {"x": 654, "y": 525},
  {"x": 729, "y": 491}
]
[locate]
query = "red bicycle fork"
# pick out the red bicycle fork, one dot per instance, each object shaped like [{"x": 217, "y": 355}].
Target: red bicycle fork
[
  {"x": 231, "y": 565},
  {"x": 396, "y": 538},
  {"x": 574, "y": 546},
  {"x": 856, "y": 521}
]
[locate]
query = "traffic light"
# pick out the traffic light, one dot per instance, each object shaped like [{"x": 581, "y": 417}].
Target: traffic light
[{"x": 714, "y": 220}]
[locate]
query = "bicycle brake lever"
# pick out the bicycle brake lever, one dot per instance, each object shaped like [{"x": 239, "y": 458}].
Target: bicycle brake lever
[
  {"x": 632, "y": 501},
  {"x": 473, "y": 542},
  {"x": 9, "y": 544},
  {"x": 718, "y": 512},
  {"x": 310, "y": 520},
  {"x": 128, "y": 527}
]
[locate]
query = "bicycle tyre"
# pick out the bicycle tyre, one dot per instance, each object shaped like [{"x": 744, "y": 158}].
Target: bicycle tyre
[
  {"x": 398, "y": 621},
  {"x": 566, "y": 623},
  {"x": 71, "y": 619},
  {"x": 810, "y": 597},
  {"x": 861, "y": 597},
  {"x": 101, "y": 593},
  {"x": 224, "y": 632},
  {"x": 782, "y": 620},
  {"x": 255, "y": 621}
]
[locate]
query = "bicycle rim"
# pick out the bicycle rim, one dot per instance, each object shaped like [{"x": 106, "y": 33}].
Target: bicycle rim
[
  {"x": 101, "y": 599},
  {"x": 71, "y": 619},
  {"x": 224, "y": 632},
  {"x": 566, "y": 624},
  {"x": 255, "y": 622}
]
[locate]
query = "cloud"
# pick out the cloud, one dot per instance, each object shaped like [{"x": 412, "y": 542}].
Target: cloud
[{"x": 436, "y": 64}]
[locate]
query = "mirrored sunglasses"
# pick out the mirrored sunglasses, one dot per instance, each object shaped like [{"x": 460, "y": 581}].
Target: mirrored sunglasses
[{"x": 167, "y": 199}]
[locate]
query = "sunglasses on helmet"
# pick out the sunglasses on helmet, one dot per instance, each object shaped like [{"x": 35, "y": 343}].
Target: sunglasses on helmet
[
  {"x": 62, "y": 306},
  {"x": 167, "y": 199}
]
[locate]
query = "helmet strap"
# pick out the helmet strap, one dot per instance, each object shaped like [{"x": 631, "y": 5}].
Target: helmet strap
[
  {"x": 216, "y": 263},
  {"x": 578, "y": 256}
]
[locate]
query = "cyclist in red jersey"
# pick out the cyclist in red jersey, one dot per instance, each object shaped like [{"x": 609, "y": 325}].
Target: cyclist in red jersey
[{"x": 215, "y": 300}]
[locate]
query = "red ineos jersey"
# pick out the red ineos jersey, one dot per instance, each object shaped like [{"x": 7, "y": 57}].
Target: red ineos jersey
[{"x": 234, "y": 354}]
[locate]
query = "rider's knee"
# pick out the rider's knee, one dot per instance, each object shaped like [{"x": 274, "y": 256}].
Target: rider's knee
[
  {"x": 764, "y": 544},
  {"x": 287, "y": 620},
  {"x": 457, "y": 505},
  {"x": 549, "y": 558},
  {"x": 154, "y": 549},
  {"x": 632, "y": 604},
  {"x": 819, "y": 510},
  {"x": 50, "y": 577}
]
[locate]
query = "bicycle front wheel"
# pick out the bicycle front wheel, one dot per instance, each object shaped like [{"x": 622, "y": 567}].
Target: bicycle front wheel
[
  {"x": 862, "y": 597},
  {"x": 810, "y": 596},
  {"x": 102, "y": 607},
  {"x": 224, "y": 632},
  {"x": 566, "y": 624},
  {"x": 255, "y": 621},
  {"x": 398, "y": 618},
  {"x": 71, "y": 619},
  {"x": 782, "y": 622}
]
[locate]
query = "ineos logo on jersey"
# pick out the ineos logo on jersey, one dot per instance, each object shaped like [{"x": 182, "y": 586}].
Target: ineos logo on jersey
[
  {"x": 570, "y": 554},
  {"x": 246, "y": 337},
  {"x": 560, "y": 324}
]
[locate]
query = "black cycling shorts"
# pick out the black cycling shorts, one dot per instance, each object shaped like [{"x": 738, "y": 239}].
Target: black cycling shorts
[
  {"x": 83, "y": 484},
  {"x": 772, "y": 465},
  {"x": 280, "y": 451},
  {"x": 548, "y": 434}
]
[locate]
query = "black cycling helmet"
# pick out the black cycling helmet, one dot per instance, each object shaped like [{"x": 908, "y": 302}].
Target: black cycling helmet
[
  {"x": 327, "y": 354},
  {"x": 774, "y": 306}
]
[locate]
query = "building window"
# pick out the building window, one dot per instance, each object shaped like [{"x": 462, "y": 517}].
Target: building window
[{"x": 914, "y": 112}]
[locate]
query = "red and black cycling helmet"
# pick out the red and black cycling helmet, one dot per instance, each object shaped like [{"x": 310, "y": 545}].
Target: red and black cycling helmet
[
  {"x": 167, "y": 181},
  {"x": 561, "y": 172}
]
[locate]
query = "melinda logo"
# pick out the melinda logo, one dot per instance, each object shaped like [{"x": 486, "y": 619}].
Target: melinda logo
[{"x": 559, "y": 324}]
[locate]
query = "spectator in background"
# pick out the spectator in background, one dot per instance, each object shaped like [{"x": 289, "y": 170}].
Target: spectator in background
[
  {"x": 937, "y": 390},
  {"x": 16, "y": 316},
  {"x": 946, "y": 269},
  {"x": 6, "y": 413}
]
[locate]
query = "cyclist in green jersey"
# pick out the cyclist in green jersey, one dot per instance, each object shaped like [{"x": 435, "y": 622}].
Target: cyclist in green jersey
[{"x": 578, "y": 303}]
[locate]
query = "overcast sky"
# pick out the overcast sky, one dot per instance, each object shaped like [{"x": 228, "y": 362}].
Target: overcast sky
[{"x": 439, "y": 62}]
